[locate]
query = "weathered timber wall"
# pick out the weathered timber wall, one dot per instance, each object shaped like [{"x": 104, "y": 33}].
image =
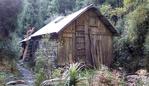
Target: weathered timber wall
[{"x": 85, "y": 40}]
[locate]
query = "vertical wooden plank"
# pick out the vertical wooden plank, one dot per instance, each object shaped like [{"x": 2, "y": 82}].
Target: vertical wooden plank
[
  {"x": 80, "y": 43},
  {"x": 109, "y": 57},
  {"x": 70, "y": 51},
  {"x": 98, "y": 51},
  {"x": 89, "y": 60},
  {"x": 73, "y": 41},
  {"x": 62, "y": 53}
]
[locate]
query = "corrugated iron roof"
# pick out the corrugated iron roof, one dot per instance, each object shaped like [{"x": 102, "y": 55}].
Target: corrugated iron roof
[{"x": 59, "y": 23}]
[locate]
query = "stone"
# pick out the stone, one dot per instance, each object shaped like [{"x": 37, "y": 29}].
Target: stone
[
  {"x": 141, "y": 72},
  {"x": 15, "y": 82},
  {"x": 52, "y": 82}
]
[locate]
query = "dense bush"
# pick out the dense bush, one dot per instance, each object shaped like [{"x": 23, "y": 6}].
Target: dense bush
[
  {"x": 9, "y": 10},
  {"x": 130, "y": 48}
]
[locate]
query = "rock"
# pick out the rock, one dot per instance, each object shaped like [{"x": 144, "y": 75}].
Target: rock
[
  {"x": 52, "y": 82},
  {"x": 141, "y": 72},
  {"x": 132, "y": 77},
  {"x": 15, "y": 82},
  {"x": 133, "y": 80}
]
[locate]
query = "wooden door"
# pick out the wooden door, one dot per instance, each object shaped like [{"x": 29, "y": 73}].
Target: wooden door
[
  {"x": 95, "y": 47},
  {"x": 101, "y": 48},
  {"x": 65, "y": 51}
]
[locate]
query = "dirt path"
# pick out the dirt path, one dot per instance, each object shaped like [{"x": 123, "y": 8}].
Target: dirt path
[{"x": 26, "y": 75}]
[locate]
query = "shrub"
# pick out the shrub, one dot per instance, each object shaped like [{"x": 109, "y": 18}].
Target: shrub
[
  {"x": 40, "y": 77},
  {"x": 2, "y": 77},
  {"x": 104, "y": 77},
  {"x": 72, "y": 74}
]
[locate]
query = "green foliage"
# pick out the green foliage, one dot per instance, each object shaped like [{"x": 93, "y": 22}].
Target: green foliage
[
  {"x": 114, "y": 3},
  {"x": 64, "y": 6},
  {"x": 40, "y": 62},
  {"x": 140, "y": 83},
  {"x": 56, "y": 73},
  {"x": 9, "y": 48},
  {"x": 40, "y": 77},
  {"x": 28, "y": 15},
  {"x": 72, "y": 74},
  {"x": 2, "y": 78},
  {"x": 113, "y": 14},
  {"x": 79, "y": 4},
  {"x": 87, "y": 73},
  {"x": 126, "y": 2},
  {"x": 130, "y": 45},
  {"x": 105, "y": 9},
  {"x": 35, "y": 13},
  {"x": 137, "y": 33},
  {"x": 134, "y": 20},
  {"x": 9, "y": 10}
]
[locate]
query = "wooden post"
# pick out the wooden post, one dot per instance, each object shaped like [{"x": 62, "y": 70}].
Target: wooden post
[{"x": 29, "y": 32}]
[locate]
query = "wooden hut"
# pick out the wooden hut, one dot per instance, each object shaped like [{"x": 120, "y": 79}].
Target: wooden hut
[{"x": 84, "y": 36}]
